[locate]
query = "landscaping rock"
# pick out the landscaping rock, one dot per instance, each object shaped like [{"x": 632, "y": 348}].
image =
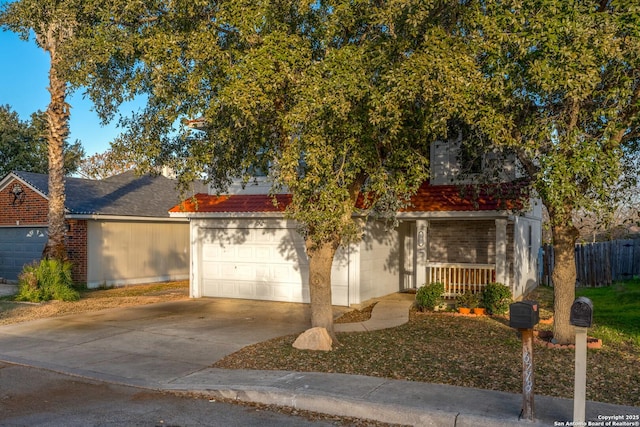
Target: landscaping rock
[{"x": 316, "y": 339}]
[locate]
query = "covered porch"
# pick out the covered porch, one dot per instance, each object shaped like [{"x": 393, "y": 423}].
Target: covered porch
[
  {"x": 460, "y": 278},
  {"x": 463, "y": 254}
]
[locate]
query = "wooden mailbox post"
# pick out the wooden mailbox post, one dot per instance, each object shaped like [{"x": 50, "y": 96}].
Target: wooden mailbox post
[{"x": 523, "y": 316}]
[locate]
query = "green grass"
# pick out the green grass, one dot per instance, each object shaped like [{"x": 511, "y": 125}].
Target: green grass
[{"x": 616, "y": 310}]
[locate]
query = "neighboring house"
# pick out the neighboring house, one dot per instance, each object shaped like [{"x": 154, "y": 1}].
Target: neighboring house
[
  {"x": 118, "y": 229},
  {"x": 244, "y": 247}
]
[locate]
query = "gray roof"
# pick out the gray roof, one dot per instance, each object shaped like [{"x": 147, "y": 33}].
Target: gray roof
[{"x": 126, "y": 194}]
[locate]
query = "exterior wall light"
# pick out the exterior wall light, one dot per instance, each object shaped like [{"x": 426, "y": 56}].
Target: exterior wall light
[{"x": 18, "y": 194}]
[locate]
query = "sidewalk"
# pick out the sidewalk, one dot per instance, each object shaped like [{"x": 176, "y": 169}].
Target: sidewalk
[
  {"x": 170, "y": 346},
  {"x": 389, "y": 401},
  {"x": 385, "y": 400}
]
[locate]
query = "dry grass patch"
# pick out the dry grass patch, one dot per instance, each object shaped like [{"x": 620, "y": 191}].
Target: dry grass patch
[
  {"x": 481, "y": 352},
  {"x": 93, "y": 300}
]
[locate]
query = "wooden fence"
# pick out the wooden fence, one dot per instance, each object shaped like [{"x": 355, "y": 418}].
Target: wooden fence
[{"x": 598, "y": 264}]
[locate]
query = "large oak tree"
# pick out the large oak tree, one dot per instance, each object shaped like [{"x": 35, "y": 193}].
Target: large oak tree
[
  {"x": 561, "y": 90},
  {"x": 337, "y": 99}
]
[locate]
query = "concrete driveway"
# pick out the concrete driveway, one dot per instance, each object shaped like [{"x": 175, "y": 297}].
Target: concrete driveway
[{"x": 149, "y": 345}]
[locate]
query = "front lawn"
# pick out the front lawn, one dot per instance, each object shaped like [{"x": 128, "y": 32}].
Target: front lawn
[
  {"x": 616, "y": 311},
  {"x": 482, "y": 352}
]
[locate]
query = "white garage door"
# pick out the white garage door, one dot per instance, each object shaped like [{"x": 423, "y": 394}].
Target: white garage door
[
  {"x": 264, "y": 264},
  {"x": 20, "y": 246}
]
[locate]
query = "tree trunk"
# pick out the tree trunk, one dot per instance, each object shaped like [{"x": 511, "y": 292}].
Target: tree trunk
[
  {"x": 58, "y": 129},
  {"x": 564, "y": 282},
  {"x": 320, "y": 263}
]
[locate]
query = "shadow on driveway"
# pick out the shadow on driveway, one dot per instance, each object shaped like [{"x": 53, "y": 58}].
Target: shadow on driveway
[{"x": 152, "y": 344}]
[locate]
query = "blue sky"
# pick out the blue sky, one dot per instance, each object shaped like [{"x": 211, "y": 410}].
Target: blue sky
[{"x": 23, "y": 86}]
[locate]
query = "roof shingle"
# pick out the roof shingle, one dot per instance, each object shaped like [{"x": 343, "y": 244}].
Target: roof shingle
[{"x": 123, "y": 195}]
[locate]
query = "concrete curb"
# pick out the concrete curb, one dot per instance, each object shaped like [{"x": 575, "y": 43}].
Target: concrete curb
[{"x": 358, "y": 408}]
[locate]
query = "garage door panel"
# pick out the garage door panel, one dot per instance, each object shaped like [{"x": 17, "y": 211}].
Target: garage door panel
[
  {"x": 262, "y": 253},
  {"x": 245, "y": 253},
  {"x": 227, "y": 288},
  {"x": 210, "y": 252},
  {"x": 20, "y": 246},
  {"x": 265, "y": 265},
  {"x": 265, "y": 292},
  {"x": 245, "y": 288},
  {"x": 243, "y": 272}
]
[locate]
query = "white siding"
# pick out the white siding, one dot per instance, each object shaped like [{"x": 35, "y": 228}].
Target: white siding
[
  {"x": 445, "y": 165},
  {"x": 379, "y": 263},
  {"x": 444, "y": 162}
]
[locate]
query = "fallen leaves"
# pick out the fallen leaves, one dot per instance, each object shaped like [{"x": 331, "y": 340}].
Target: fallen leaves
[{"x": 480, "y": 352}]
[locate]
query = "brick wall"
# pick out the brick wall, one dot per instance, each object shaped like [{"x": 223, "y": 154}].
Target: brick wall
[
  {"x": 32, "y": 209},
  {"x": 471, "y": 241},
  {"x": 458, "y": 241},
  {"x": 77, "y": 248}
]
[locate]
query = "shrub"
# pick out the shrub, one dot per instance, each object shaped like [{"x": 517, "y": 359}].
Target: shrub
[
  {"x": 429, "y": 296},
  {"x": 468, "y": 300},
  {"x": 50, "y": 279},
  {"x": 496, "y": 298}
]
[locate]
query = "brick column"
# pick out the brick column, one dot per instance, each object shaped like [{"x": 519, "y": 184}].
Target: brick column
[{"x": 76, "y": 240}]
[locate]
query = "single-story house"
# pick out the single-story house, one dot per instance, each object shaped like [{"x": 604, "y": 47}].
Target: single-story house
[
  {"x": 118, "y": 229},
  {"x": 242, "y": 246}
]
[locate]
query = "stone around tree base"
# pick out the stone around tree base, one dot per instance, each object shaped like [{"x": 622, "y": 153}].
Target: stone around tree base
[
  {"x": 546, "y": 337},
  {"x": 316, "y": 339}
]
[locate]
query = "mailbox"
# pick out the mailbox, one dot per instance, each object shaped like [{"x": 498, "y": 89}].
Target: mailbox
[
  {"x": 524, "y": 314},
  {"x": 581, "y": 312}
]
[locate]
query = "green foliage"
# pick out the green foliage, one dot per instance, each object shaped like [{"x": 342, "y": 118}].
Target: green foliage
[
  {"x": 23, "y": 145},
  {"x": 50, "y": 279},
  {"x": 560, "y": 92},
  {"x": 429, "y": 296},
  {"x": 104, "y": 165},
  {"x": 332, "y": 98},
  {"x": 468, "y": 299},
  {"x": 496, "y": 298},
  {"x": 564, "y": 90}
]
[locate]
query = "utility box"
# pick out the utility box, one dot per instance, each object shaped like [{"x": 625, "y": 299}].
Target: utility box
[
  {"x": 524, "y": 314},
  {"x": 581, "y": 312}
]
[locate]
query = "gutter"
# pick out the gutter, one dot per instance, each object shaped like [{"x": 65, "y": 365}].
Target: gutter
[{"x": 125, "y": 218}]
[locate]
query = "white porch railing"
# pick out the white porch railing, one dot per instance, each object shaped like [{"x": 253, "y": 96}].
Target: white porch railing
[{"x": 459, "y": 278}]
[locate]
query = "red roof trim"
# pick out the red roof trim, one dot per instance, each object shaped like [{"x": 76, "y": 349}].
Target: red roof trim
[
  {"x": 444, "y": 198},
  {"x": 234, "y": 203},
  {"x": 428, "y": 198}
]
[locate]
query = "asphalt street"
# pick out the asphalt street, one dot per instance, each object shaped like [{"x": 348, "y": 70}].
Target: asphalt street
[{"x": 38, "y": 397}]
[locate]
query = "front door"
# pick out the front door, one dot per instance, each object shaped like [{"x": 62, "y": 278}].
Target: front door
[{"x": 407, "y": 256}]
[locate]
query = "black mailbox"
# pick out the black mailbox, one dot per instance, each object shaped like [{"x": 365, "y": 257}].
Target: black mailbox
[
  {"x": 524, "y": 314},
  {"x": 581, "y": 312}
]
